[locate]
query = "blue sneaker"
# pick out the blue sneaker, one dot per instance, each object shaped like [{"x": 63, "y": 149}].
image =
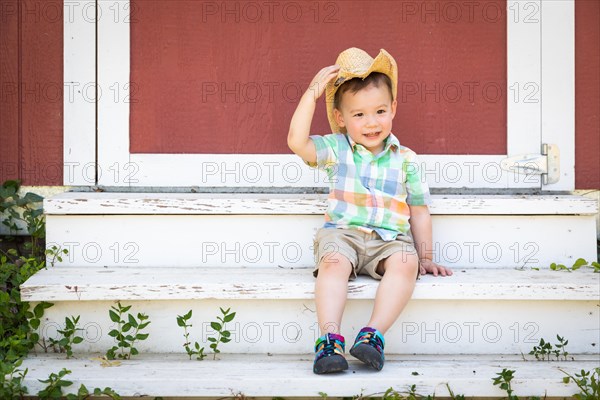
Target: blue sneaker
[
  {"x": 329, "y": 357},
  {"x": 368, "y": 347}
]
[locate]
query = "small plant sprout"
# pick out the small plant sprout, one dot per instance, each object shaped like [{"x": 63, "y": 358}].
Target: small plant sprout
[
  {"x": 11, "y": 380},
  {"x": 503, "y": 380},
  {"x": 455, "y": 396},
  {"x": 580, "y": 262},
  {"x": 561, "y": 348},
  {"x": 182, "y": 321},
  {"x": 125, "y": 340},
  {"x": 587, "y": 381},
  {"x": 545, "y": 349},
  {"x": 69, "y": 337},
  {"x": 54, "y": 254},
  {"x": 55, "y": 384},
  {"x": 542, "y": 350},
  {"x": 219, "y": 327}
]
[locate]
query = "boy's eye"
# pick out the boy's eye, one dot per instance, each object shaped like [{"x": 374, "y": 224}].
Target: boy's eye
[
  {"x": 380, "y": 111},
  {"x": 358, "y": 114}
]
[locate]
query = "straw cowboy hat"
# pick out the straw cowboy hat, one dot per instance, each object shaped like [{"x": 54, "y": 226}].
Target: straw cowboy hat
[{"x": 356, "y": 63}]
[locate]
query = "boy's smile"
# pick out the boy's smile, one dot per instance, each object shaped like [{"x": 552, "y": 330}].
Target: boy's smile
[{"x": 367, "y": 116}]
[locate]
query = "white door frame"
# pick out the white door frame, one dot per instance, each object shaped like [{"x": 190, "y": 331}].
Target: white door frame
[{"x": 540, "y": 50}]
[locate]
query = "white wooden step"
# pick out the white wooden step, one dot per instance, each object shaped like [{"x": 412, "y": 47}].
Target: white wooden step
[
  {"x": 287, "y": 240},
  {"x": 501, "y": 311},
  {"x": 263, "y": 375},
  {"x": 158, "y": 229},
  {"x": 135, "y": 283},
  {"x": 251, "y": 203}
]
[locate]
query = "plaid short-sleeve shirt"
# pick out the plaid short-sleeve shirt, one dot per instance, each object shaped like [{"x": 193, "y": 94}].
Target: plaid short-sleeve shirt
[{"x": 370, "y": 192}]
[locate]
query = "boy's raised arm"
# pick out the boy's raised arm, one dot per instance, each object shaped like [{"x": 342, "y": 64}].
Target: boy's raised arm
[{"x": 298, "y": 140}]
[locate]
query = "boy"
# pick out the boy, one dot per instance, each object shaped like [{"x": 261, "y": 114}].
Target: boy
[{"x": 374, "y": 192}]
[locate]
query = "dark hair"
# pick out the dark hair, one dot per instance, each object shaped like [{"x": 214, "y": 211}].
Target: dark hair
[{"x": 355, "y": 84}]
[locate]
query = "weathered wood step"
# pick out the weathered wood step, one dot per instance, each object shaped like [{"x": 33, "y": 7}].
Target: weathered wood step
[
  {"x": 263, "y": 375},
  {"x": 233, "y": 283},
  {"x": 475, "y": 311},
  {"x": 178, "y": 229},
  {"x": 249, "y": 203}
]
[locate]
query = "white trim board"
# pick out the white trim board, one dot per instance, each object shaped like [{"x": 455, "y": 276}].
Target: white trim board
[
  {"x": 79, "y": 99},
  {"x": 558, "y": 80},
  {"x": 526, "y": 34},
  {"x": 86, "y": 203}
]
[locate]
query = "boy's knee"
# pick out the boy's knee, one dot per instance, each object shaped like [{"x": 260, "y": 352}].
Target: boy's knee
[
  {"x": 399, "y": 263},
  {"x": 335, "y": 262}
]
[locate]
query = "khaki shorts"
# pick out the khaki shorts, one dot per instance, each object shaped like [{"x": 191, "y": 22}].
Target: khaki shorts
[{"x": 364, "y": 250}]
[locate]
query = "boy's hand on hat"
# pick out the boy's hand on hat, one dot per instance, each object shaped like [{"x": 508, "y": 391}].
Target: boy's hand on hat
[
  {"x": 428, "y": 266},
  {"x": 324, "y": 76}
]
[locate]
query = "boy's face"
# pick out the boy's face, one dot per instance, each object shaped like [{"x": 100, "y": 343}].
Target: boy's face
[{"x": 367, "y": 116}]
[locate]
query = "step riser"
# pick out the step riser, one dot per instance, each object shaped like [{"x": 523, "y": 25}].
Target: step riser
[
  {"x": 289, "y": 327},
  {"x": 287, "y": 240}
]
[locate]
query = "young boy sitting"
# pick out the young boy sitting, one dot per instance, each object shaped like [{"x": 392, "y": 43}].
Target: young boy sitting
[{"x": 375, "y": 189}]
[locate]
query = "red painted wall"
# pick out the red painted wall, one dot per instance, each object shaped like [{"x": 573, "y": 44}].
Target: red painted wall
[
  {"x": 587, "y": 94},
  {"x": 225, "y": 77},
  {"x": 31, "y": 87},
  {"x": 31, "y": 48}
]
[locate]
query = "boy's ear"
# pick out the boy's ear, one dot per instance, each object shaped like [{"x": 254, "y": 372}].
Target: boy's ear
[
  {"x": 339, "y": 119},
  {"x": 394, "y": 104}
]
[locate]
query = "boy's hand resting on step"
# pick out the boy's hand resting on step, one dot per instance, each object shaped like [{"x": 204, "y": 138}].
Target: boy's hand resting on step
[{"x": 428, "y": 266}]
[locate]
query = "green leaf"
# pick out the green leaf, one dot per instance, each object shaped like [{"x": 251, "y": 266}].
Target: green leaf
[
  {"x": 216, "y": 326},
  {"x": 64, "y": 383},
  {"x": 188, "y": 315},
  {"x": 230, "y": 317},
  {"x": 142, "y": 326},
  {"x": 132, "y": 321},
  {"x": 579, "y": 262},
  {"x": 34, "y": 323},
  {"x": 142, "y": 336},
  {"x": 126, "y": 327},
  {"x": 114, "y": 317},
  {"x": 38, "y": 311},
  {"x": 33, "y": 198},
  {"x": 77, "y": 339},
  {"x": 225, "y": 340}
]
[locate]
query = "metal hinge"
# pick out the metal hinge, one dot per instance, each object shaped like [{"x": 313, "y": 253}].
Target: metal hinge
[{"x": 546, "y": 164}]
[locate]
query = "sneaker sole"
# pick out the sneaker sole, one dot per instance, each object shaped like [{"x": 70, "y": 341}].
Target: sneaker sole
[
  {"x": 334, "y": 363},
  {"x": 368, "y": 355}
]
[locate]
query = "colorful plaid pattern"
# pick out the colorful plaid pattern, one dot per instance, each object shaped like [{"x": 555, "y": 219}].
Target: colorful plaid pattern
[{"x": 370, "y": 192}]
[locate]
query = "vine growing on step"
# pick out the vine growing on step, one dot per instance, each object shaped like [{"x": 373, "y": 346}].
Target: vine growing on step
[
  {"x": 223, "y": 335},
  {"x": 128, "y": 331}
]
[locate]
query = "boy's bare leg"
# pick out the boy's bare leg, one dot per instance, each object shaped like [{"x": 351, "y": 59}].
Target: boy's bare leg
[
  {"x": 395, "y": 289},
  {"x": 331, "y": 290}
]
